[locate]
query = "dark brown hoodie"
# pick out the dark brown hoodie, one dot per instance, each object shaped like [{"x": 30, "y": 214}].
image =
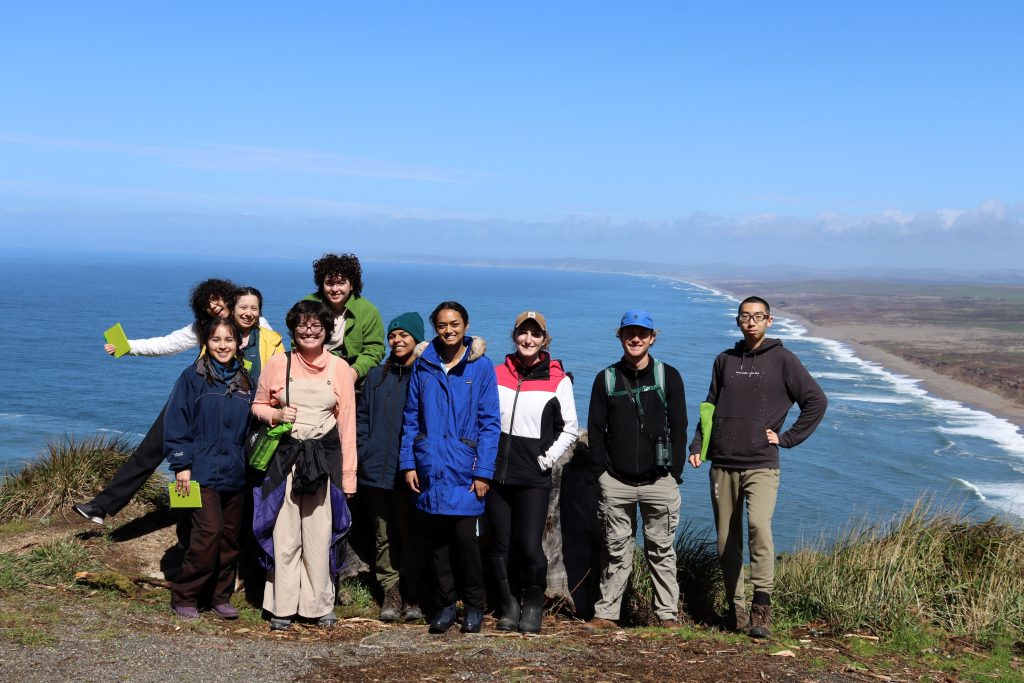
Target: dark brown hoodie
[{"x": 753, "y": 391}]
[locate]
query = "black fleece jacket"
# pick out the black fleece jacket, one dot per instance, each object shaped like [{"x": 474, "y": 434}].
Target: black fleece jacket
[
  {"x": 618, "y": 444},
  {"x": 753, "y": 391}
]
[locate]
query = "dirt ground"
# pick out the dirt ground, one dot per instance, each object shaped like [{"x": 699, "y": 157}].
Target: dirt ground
[{"x": 80, "y": 633}]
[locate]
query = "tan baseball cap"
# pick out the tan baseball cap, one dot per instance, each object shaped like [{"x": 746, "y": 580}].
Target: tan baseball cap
[{"x": 531, "y": 315}]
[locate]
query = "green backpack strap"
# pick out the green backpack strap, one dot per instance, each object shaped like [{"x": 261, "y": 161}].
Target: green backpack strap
[
  {"x": 659, "y": 383},
  {"x": 609, "y": 381}
]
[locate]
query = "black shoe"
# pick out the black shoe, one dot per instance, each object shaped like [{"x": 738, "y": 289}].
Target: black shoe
[
  {"x": 91, "y": 511},
  {"x": 443, "y": 620},
  {"x": 533, "y": 611},
  {"x": 472, "y": 620}
]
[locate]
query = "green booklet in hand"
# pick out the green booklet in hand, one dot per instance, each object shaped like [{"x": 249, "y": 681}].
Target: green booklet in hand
[
  {"x": 192, "y": 500},
  {"x": 707, "y": 415},
  {"x": 115, "y": 335}
]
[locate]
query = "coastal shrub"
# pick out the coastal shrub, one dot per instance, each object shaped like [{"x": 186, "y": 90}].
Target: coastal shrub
[
  {"x": 69, "y": 469},
  {"x": 924, "y": 569},
  {"x": 698, "y": 574}
]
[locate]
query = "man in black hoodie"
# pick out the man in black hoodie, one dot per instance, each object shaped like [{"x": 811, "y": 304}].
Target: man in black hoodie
[
  {"x": 753, "y": 386},
  {"x": 637, "y": 431}
]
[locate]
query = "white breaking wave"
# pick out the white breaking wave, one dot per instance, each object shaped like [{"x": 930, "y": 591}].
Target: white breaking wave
[
  {"x": 1008, "y": 498},
  {"x": 868, "y": 398},
  {"x": 972, "y": 488},
  {"x": 835, "y": 375}
]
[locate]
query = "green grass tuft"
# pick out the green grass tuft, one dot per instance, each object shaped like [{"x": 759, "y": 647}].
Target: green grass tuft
[
  {"x": 923, "y": 570},
  {"x": 69, "y": 469},
  {"x": 54, "y": 563}
]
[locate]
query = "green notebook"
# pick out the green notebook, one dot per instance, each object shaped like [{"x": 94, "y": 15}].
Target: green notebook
[
  {"x": 116, "y": 336},
  {"x": 707, "y": 414},
  {"x": 192, "y": 500}
]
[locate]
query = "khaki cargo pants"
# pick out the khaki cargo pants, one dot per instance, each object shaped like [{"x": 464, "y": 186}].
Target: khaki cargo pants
[{"x": 659, "y": 510}]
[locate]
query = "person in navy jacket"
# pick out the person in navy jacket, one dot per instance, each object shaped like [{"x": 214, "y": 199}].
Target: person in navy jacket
[
  {"x": 450, "y": 438},
  {"x": 205, "y": 424}
]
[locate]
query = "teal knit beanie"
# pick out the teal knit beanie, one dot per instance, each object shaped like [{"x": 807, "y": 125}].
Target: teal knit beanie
[{"x": 410, "y": 322}]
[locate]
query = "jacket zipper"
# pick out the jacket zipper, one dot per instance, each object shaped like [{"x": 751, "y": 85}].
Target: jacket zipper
[{"x": 511, "y": 423}]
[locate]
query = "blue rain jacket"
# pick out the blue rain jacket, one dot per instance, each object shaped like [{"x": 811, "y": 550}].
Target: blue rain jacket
[{"x": 451, "y": 427}]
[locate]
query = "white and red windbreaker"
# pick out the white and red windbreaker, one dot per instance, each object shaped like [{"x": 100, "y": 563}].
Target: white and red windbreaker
[{"x": 538, "y": 421}]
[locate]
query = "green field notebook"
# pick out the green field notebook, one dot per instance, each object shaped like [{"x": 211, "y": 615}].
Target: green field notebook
[
  {"x": 116, "y": 336},
  {"x": 707, "y": 414},
  {"x": 192, "y": 500}
]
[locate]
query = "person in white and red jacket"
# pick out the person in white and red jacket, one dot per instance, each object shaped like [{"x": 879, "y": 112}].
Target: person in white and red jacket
[{"x": 538, "y": 426}]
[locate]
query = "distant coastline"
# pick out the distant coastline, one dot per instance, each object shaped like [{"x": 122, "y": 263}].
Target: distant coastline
[{"x": 864, "y": 332}]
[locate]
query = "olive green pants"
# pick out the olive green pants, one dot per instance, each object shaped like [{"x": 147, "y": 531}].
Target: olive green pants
[{"x": 732, "y": 491}]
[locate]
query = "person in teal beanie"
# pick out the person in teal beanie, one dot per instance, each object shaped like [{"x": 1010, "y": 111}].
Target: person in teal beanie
[
  {"x": 358, "y": 328},
  {"x": 397, "y": 528}
]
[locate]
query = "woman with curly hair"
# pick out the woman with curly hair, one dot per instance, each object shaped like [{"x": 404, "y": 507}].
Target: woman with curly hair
[
  {"x": 206, "y": 420},
  {"x": 209, "y": 301},
  {"x": 300, "y": 509},
  {"x": 358, "y": 335}
]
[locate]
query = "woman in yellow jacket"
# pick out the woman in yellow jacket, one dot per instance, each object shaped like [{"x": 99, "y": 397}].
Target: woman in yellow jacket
[{"x": 258, "y": 343}]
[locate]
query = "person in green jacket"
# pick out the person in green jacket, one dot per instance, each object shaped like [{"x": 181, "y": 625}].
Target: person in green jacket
[{"x": 358, "y": 328}]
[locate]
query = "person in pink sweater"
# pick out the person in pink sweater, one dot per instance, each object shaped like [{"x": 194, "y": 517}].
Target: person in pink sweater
[{"x": 300, "y": 510}]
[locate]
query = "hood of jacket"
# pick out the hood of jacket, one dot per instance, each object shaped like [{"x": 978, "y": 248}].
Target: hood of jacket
[{"x": 428, "y": 350}]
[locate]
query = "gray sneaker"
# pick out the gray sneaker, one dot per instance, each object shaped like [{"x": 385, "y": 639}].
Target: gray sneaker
[
  {"x": 761, "y": 621},
  {"x": 412, "y": 613}
]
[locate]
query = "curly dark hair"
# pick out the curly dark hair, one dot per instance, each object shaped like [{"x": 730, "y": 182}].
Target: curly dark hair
[
  {"x": 305, "y": 309},
  {"x": 206, "y": 331},
  {"x": 206, "y": 291},
  {"x": 345, "y": 265}
]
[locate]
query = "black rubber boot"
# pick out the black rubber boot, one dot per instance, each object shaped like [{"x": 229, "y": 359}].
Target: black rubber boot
[
  {"x": 509, "y": 620},
  {"x": 533, "y": 610}
]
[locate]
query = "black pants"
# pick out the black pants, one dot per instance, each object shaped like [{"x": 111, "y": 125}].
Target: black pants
[
  {"x": 516, "y": 516},
  {"x": 448, "y": 532},
  {"x": 139, "y": 466},
  {"x": 211, "y": 562}
]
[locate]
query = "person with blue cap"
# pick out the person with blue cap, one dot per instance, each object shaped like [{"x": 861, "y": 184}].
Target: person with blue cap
[
  {"x": 399, "y": 558},
  {"x": 637, "y": 428}
]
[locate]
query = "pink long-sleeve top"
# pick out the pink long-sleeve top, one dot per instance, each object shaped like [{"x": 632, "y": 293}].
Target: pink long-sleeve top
[{"x": 313, "y": 421}]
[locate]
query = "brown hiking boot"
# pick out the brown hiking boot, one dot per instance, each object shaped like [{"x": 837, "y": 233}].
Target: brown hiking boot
[
  {"x": 761, "y": 621},
  {"x": 670, "y": 623},
  {"x": 391, "y": 609},
  {"x": 597, "y": 623},
  {"x": 738, "y": 619}
]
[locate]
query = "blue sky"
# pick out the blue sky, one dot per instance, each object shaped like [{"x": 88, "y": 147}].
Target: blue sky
[{"x": 841, "y": 134}]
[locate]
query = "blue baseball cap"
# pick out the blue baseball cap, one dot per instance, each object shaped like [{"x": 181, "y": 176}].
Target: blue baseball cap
[{"x": 637, "y": 317}]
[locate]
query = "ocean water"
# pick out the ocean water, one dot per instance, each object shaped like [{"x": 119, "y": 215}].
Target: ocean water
[{"x": 884, "y": 443}]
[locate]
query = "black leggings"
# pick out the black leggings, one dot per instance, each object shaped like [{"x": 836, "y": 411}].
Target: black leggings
[
  {"x": 447, "y": 532},
  {"x": 516, "y": 516}
]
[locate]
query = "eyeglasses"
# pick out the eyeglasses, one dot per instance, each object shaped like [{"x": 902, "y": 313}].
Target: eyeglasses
[
  {"x": 756, "y": 317},
  {"x": 315, "y": 328}
]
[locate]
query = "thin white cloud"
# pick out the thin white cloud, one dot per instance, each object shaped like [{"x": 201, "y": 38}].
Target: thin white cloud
[{"x": 219, "y": 157}]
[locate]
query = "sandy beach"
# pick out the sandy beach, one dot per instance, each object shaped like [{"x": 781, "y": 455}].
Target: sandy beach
[{"x": 882, "y": 328}]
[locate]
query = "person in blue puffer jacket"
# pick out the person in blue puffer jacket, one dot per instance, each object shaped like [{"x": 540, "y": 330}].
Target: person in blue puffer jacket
[
  {"x": 205, "y": 423},
  {"x": 450, "y": 435}
]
